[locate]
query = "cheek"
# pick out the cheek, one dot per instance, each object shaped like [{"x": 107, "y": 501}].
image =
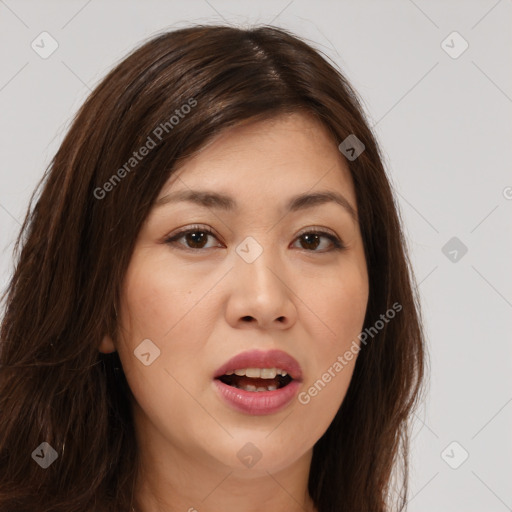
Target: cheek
[
  {"x": 161, "y": 305},
  {"x": 321, "y": 398},
  {"x": 341, "y": 308},
  {"x": 157, "y": 297}
]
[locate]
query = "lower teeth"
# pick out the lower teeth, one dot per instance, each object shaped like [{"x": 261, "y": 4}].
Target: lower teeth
[{"x": 249, "y": 387}]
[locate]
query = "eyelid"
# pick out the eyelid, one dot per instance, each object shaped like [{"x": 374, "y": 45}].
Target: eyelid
[
  {"x": 317, "y": 229},
  {"x": 187, "y": 229}
]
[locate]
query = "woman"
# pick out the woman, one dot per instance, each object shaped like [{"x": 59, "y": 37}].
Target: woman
[{"x": 212, "y": 308}]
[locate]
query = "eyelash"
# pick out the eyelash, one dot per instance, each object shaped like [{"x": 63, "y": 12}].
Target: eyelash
[{"x": 337, "y": 243}]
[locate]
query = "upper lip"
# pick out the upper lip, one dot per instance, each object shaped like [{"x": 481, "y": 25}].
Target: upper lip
[{"x": 262, "y": 359}]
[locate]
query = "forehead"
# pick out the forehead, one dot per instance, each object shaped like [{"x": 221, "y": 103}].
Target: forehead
[{"x": 284, "y": 156}]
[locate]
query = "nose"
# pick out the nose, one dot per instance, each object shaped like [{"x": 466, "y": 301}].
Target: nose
[{"x": 260, "y": 294}]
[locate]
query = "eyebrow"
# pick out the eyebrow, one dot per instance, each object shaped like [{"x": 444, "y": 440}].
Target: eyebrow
[{"x": 210, "y": 199}]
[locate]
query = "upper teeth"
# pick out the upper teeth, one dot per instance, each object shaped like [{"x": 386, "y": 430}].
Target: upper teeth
[{"x": 259, "y": 373}]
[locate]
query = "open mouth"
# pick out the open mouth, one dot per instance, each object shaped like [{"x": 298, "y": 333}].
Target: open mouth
[{"x": 256, "y": 379}]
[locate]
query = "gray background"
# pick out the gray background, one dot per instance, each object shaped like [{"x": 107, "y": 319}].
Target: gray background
[{"x": 444, "y": 125}]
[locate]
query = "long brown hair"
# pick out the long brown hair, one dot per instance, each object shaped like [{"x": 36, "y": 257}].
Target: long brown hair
[{"x": 77, "y": 239}]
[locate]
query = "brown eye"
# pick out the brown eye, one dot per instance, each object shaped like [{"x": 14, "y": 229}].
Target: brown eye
[
  {"x": 194, "y": 238},
  {"x": 311, "y": 240}
]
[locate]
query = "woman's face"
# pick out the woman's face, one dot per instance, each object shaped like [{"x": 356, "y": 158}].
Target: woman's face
[{"x": 257, "y": 284}]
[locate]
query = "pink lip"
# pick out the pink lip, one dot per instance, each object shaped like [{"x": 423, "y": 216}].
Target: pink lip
[
  {"x": 260, "y": 402},
  {"x": 262, "y": 359},
  {"x": 257, "y": 402}
]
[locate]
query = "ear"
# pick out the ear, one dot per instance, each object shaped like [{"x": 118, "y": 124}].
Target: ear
[{"x": 107, "y": 345}]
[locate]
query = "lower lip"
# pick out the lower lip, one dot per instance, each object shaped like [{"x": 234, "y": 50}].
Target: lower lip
[{"x": 258, "y": 402}]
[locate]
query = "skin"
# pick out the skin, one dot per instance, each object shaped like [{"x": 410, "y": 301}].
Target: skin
[{"x": 201, "y": 308}]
